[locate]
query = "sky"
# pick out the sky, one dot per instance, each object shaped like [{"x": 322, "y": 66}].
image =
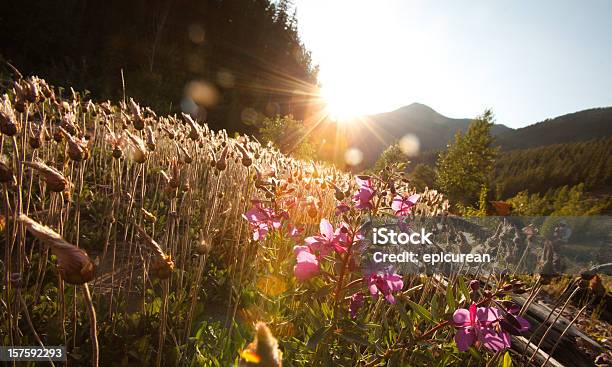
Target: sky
[{"x": 526, "y": 60}]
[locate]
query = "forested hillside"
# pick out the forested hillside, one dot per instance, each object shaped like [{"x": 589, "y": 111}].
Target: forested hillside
[
  {"x": 572, "y": 127},
  {"x": 234, "y": 60},
  {"x": 540, "y": 169}
]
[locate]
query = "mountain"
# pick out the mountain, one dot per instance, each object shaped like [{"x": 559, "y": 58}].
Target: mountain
[
  {"x": 373, "y": 134},
  {"x": 573, "y": 127}
]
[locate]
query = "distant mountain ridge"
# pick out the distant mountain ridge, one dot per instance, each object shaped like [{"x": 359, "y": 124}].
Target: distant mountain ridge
[
  {"x": 373, "y": 134},
  {"x": 572, "y": 127}
]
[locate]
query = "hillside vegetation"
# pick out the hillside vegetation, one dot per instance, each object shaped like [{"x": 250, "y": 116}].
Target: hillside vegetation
[
  {"x": 573, "y": 127},
  {"x": 539, "y": 169},
  {"x": 234, "y": 60}
]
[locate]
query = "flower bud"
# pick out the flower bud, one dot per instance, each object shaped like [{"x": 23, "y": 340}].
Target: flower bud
[
  {"x": 16, "y": 280},
  {"x": 338, "y": 194},
  {"x": 475, "y": 285}
]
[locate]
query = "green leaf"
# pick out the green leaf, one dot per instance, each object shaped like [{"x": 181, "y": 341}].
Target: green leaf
[
  {"x": 463, "y": 288},
  {"x": 450, "y": 298},
  {"x": 506, "y": 361},
  {"x": 354, "y": 338},
  {"x": 420, "y": 310},
  {"x": 316, "y": 337}
]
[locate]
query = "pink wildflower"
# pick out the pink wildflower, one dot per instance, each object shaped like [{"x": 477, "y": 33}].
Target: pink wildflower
[
  {"x": 328, "y": 239},
  {"x": 295, "y": 231},
  {"x": 342, "y": 208},
  {"x": 481, "y": 326},
  {"x": 262, "y": 220},
  {"x": 363, "y": 197},
  {"x": 307, "y": 265},
  {"x": 385, "y": 284},
  {"x": 402, "y": 206},
  {"x": 355, "y": 304}
]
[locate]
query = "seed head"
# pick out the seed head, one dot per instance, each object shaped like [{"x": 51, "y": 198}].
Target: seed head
[
  {"x": 55, "y": 180},
  {"x": 221, "y": 164},
  {"x": 139, "y": 150},
  {"x": 163, "y": 265},
  {"x": 78, "y": 149},
  {"x": 9, "y": 125},
  {"x": 150, "y": 138},
  {"x": 74, "y": 265},
  {"x": 6, "y": 174}
]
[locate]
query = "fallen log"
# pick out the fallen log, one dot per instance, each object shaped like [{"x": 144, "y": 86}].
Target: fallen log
[{"x": 566, "y": 352}]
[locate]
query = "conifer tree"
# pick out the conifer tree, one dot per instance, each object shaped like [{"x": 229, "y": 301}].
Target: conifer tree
[{"x": 464, "y": 168}]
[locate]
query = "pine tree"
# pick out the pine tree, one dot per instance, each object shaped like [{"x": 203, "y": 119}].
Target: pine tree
[{"x": 464, "y": 168}]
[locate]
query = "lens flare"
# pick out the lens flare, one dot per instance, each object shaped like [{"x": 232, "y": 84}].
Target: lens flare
[
  {"x": 353, "y": 156},
  {"x": 409, "y": 144}
]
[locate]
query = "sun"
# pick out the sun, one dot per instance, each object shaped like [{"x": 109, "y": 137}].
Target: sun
[{"x": 340, "y": 105}]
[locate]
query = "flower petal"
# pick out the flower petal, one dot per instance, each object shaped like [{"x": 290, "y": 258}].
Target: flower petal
[
  {"x": 461, "y": 317},
  {"x": 326, "y": 228},
  {"x": 494, "y": 340},
  {"x": 464, "y": 339}
]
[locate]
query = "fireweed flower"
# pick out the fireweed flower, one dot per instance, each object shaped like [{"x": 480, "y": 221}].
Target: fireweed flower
[
  {"x": 295, "y": 231},
  {"x": 511, "y": 322},
  {"x": 355, "y": 304},
  {"x": 262, "y": 220},
  {"x": 385, "y": 284},
  {"x": 342, "y": 208},
  {"x": 481, "y": 326},
  {"x": 402, "y": 206},
  {"x": 363, "y": 197},
  {"x": 328, "y": 239},
  {"x": 307, "y": 265}
]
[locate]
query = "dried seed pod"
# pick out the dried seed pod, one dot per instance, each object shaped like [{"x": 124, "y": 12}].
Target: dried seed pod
[
  {"x": 106, "y": 107},
  {"x": 221, "y": 164},
  {"x": 137, "y": 119},
  {"x": 148, "y": 216},
  {"x": 150, "y": 139},
  {"x": 183, "y": 153},
  {"x": 68, "y": 123},
  {"x": 74, "y": 265},
  {"x": 6, "y": 174},
  {"x": 263, "y": 351},
  {"x": 55, "y": 180},
  {"x": 58, "y": 136},
  {"x": 45, "y": 89},
  {"x": 9, "y": 125},
  {"x": 203, "y": 248},
  {"x": 134, "y": 107},
  {"x": 162, "y": 266},
  {"x": 117, "y": 141},
  {"x": 246, "y": 157},
  {"x": 139, "y": 150},
  {"x": 78, "y": 149},
  {"x": 338, "y": 194},
  {"x": 138, "y": 123},
  {"x": 35, "y": 140},
  {"x": 194, "y": 132},
  {"x": 117, "y": 153}
]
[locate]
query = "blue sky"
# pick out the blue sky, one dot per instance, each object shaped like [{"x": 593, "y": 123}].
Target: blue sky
[{"x": 527, "y": 60}]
